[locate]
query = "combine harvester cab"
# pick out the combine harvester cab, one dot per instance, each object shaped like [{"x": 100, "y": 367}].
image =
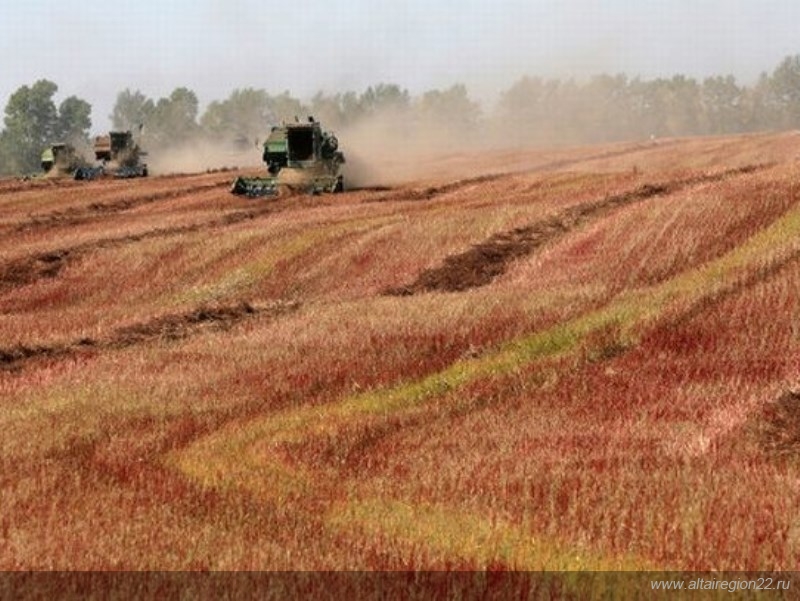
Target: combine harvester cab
[
  {"x": 118, "y": 155},
  {"x": 299, "y": 157}
]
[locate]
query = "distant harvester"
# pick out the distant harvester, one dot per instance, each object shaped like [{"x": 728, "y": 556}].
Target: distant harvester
[{"x": 118, "y": 155}]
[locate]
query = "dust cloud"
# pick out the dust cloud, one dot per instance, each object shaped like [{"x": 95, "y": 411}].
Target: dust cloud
[
  {"x": 383, "y": 149},
  {"x": 388, "y": 149},
  {"x": 201, "y": 154}
]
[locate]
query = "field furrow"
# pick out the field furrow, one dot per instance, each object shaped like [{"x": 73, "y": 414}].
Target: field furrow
[{"x": 482, "y": 263}]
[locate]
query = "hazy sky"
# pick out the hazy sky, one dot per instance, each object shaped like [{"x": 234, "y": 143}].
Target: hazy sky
[{"x": 95, "y": 49}]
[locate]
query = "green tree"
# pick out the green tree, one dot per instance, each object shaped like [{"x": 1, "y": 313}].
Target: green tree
[
  {"x": 785, "y": 92},
  {"x": 352, "y": 110},
  {"x": 173, "y": 120},
  {"x": 649, "y": 107},
  {"x": 285, "y": 107},
  {"x": 246, "y": 113},
  {"x": 721, "y": 102},
  {"x": 452, "y": 108},
  {"x": 448, "y": 118},
  {"x": 74, "y": 120},
  {"x": 328, "y": 109},
  {"x": 683, "y": 106},
  {"x": 32, "y": 122},
  {"x": 385, "y": 98},
  {"x": 7, "y": 160},
  {"x": 131, "y": 110},
  {"x": 758, "y": 109},
  {"x": 604, "y": 109},
  {"x": 531, "y": 112}
]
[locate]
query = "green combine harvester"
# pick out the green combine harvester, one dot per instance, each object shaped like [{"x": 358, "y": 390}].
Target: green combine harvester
[
  {"x": 300, "y": 157},
  {"x": 117, "y": 154},
  {"x": 61, "y": 159}
]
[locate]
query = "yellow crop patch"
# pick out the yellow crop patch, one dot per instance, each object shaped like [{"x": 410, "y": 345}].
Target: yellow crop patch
[{"x": 450, "y": 532}]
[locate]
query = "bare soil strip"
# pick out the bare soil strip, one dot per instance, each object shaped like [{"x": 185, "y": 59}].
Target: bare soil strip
[
  {"x": 29, "y": 269},
  {"x": 165, "y": 327},
  {"x": 481, "y": 264},
  {"x": 779, "y": 431}
]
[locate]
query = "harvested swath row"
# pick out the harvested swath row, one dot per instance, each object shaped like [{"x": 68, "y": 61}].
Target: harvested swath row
[
  {"x": 165, "y": 327},
  {"x": 482, "y": 263},
  {"x": 433, "y": 191},
  {"x": 601, "y": 156},
  {"x": 49, "y": 264},
  {"x": 78, "y": 215},
  {"x": 29, "y": 269},
  {"x": 12, "y": 186},
  {"x": 762, "y": 275}
]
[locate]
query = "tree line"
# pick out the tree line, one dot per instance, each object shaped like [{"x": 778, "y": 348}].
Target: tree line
[{"x": 532, "y": 111}]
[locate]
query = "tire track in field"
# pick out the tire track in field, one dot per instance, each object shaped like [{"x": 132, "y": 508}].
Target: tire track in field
[
  {"x": 12, "y": 186},
  {"x": 165, "y": 327},
  {"x": 49, "y": 264},
  {"x": 415, "y": 194},
  {"x": 482, "y": 263}
]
